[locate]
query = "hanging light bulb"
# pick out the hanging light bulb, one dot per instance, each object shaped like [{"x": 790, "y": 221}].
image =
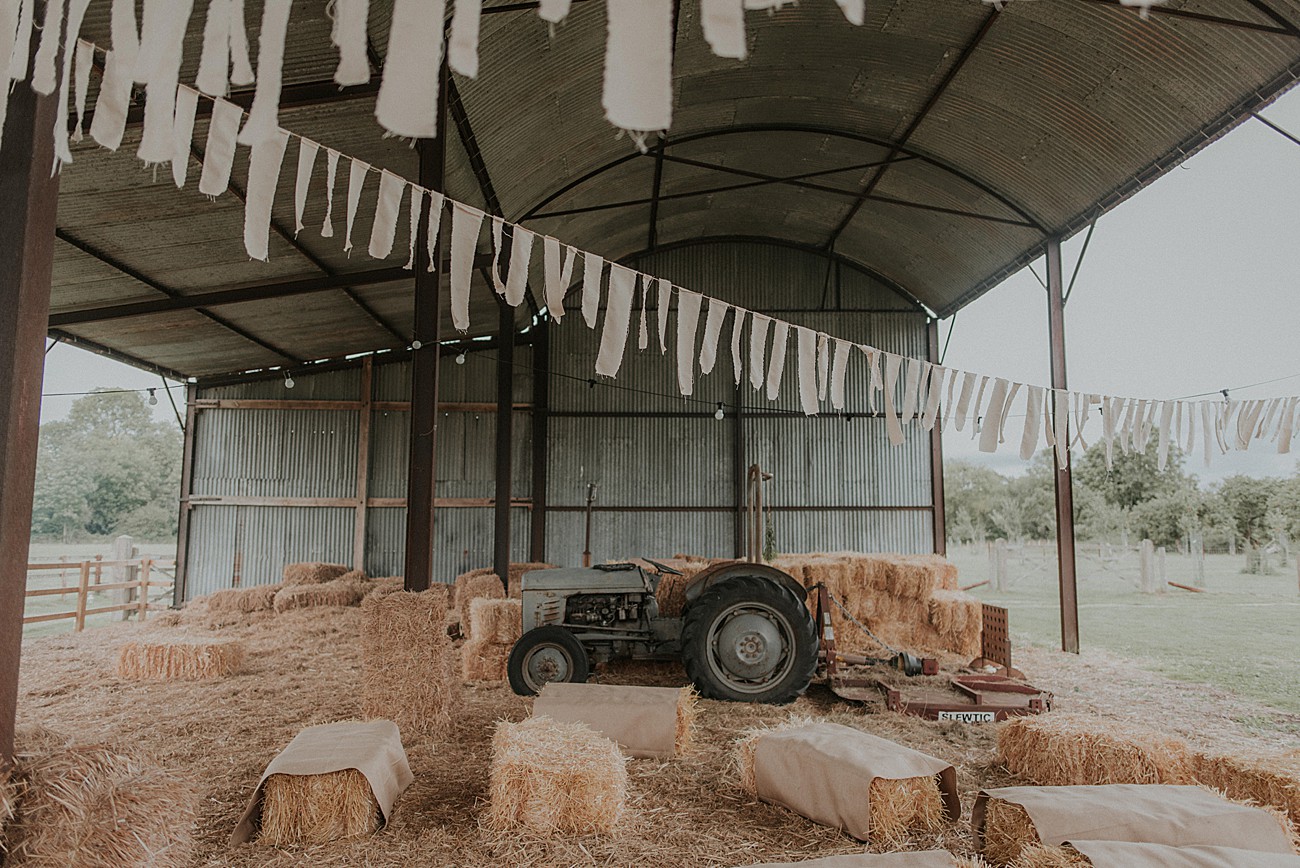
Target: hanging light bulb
[
  {"x": 415, "y": 345},
  {"x": 288, "y": 380},
  {"x": 460, "y": 359},
  {"x": 153, "y": 398},
  {"x": 718, "y": 414}
]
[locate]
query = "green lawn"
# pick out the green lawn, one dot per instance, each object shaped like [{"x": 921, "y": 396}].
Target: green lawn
[
  {"x": 1243, "y": 634},
  {"x": 44, "y": 553}
]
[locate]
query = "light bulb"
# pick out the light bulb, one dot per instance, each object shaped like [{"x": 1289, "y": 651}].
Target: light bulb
[
  {"x": 153, "y": 398},
  {"x": 460, "y": 359},
  {"x": 288, "y": 381},
  {"x": 719, "y": 414},
  {"x": 415, "y": 345}
]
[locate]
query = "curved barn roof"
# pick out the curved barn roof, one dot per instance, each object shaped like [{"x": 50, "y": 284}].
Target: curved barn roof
[{"x": 935, "y": 148}]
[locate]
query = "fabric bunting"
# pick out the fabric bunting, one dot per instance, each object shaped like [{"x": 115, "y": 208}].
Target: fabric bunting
[
  {"x": 81, "y": 85},
  {"x": 963, "y": 401},
  {"x": 349, "y": 37},
  {"x": 758, "y": 327},
  {"x": 893, "y": 429},
  {"x": 23, "y": 41},
  {"x": 638, "y": 94},
  {"x": 807, "y": 370},
  {"x": 712, "y": 333},
  {"x": 642, "y": 300},
  {"x": 331, "y": 176},
  {"x": 618, "y": 316},
  {"x": 776, "y": 365},
  {"x": 933, "y": 396},
  {"x": 823, "y": 365},
  {"x": 664, "y": 302},
  {"x": 558, "y": 267},
  {"x": 1033, "y": 419},
  {"x": 723, "y": 22},
  {"x": 592, "y": 268},
  {"x": 737, "y": 336},
  {"x": 413, "y": 213},
  {"x": 407, "y": 104},
  {"x": 263, "y": 172},
  {"x": 839, "y": 373},
  {"x": 462, "y": 45},
  {"x": 465, "y": 225},
  {"x": 307, "y": 151},
  {"x": 436, "y": 201},
  {"x": 213, "y": 77},
  {"x": 553, "y": 11},
  {"x": 187, "y": 105},
  {"x": 241, "y": 68},
  {"x": 264, "y": 114},
  {"x": 688, "y": 319},
  {"x": 76, "y": 12},
  {"x": 219, "y": 153},
  {"x": 384, "y": 230},
  {"x": 992, "y": 416},
  {"x": 357, "y": 173},
  {"x": 158, "y": 69},
  {"x": 51, "y": 35}
]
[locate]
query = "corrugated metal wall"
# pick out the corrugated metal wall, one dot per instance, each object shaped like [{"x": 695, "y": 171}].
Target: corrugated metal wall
[{"x": 272, "y": 485}]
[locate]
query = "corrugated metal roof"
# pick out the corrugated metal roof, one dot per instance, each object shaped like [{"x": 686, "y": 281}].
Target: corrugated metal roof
[{"x": 1039, "y": 116}]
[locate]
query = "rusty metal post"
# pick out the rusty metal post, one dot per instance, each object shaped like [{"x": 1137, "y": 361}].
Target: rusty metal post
[
  {"x": 504, "y": 441},
  {"x": 187, "y": 485},
  {"x": 30, "y": 200},
  {"x": 1064, "y": 484},
  {"x": 422, "y": 464},
  {"x": 540, "y": 428},
  {"x": 936, "y": 453}
]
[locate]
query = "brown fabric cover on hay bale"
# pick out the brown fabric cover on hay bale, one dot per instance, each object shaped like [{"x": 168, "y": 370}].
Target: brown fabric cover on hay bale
[
  {"x": 313, "y": 573},
  {"x": 492, "y": 620},
  {"x": 910, "y": 859},
  {"x": 179, "y": 658},
  {"x": 407, "y": 662},
  {"x": 339, "y": 592},
  {"x": 471, "y": 586},
  {"x": 258, "y": 598},
  {"x": 97, "y": 806},
  {"x": 555, "y": 777},
  {"x": 871, "y": 788},
  {"x": 1060, "y": 749},
  {"x": 1011, "y": 819},
  {"x": 483, "y": 660},
  {"x": 331, "y": 781},
  {"x": 317, "y": 809},
  {"x": 652, "y": 722},
  {"x": 1124, "y": 854},
  {"x": 1269, "y": 780}
]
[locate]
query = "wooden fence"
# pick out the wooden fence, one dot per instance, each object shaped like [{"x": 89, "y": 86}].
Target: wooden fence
[{"x": 146, "y": 574}]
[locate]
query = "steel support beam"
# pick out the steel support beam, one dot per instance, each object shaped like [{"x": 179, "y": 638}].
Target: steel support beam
[
  {"x": 187, "y": 488},
  {"x": 1281, "y": 29},
  {"x": 422, "y": 466},
  {"x": 504, "y": 443},
  {"x": 30, "y": 200},
  {"x": 541, "y": 423},
  {"x": 1064, "y": 483},
  {"x": 936, "y": 453}
]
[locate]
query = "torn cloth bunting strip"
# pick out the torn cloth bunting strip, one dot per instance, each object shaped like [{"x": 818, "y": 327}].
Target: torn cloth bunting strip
[{"x": 913, "y": 388}]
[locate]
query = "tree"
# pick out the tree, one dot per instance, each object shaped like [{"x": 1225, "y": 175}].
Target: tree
[
  {"x": 1134, "y": 477},
  {"x": 108, "y": 468},
  {"x": 970, "y": 496},
  {"x": 1247, "y": 500}
]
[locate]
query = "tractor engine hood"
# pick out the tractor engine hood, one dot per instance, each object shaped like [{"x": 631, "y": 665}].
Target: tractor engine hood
[{"x": 570, "y": 580}]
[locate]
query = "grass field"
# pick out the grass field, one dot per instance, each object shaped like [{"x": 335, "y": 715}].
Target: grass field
[
  {"x": 47, "y": 553},
  {"x": 1242, "y": 634}
]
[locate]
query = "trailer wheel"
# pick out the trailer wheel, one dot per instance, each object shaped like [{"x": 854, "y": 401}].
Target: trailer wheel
[
  {"x": 543, "y": 655},
  {"x": 749, "y": 640}
]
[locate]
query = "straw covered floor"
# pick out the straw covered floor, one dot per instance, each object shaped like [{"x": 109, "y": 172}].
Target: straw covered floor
[{"x": 317, "y": 809}]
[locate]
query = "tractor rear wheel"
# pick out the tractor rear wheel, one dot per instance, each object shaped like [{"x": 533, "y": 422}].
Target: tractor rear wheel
[
  {"x": 543, "y": 655},
  {"x": 749, "y": 640}
]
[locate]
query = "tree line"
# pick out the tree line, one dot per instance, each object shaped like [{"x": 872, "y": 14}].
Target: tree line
[
  {"x": 1132, "y": 500},
  {"x": 109, "y": 468}
]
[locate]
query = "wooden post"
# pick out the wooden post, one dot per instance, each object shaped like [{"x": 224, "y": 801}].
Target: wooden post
[
  {"x": 28, "y": 202},
  {"x": 1198, "y": 559},
  {"x": 1000, "y": 565},
  {"x": 363, "y": 465},
  {"x": 1147, "y": 566},
  {"x": 83, "y": 591},
  {"x": 939, "y": 506},
  {"x": 1069, "y": 592},
  {"x": 541, "y": 423},
  {"x": 1162, "y": 575},
  {"x": 187, "y": 483},
  {"x": 123, "y": 551},
  {"x": 99, "y": 569},
  {"x": 504, "y": 441},
  {"x": 142, "y": 610}
]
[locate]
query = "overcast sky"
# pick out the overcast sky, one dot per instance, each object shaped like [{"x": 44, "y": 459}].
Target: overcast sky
[{"x": 1188, "y": 287}]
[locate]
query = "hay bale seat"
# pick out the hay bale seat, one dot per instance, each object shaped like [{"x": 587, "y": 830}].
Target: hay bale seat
[
  {"x": 245, "y": 601},
  {"x": 407, "y": 662},
  {"x": 555, "y": 778},
  {"x": 1124, "y": 854},
  {"x": 332, "y": 781},
  {"x": 96, "y": 806},
  {"x": 1012, "y": 820},
  {"x": 496, "y": 620},
  {"x": 179, "y": 658},
  {"x": 1269, "y": 780},
  {"x": 653, "y": 722},
  {"x": 482, "y": 660},
  {"x": 313, "y": 573},
  {"x": 823, "y": 771},
  {"x": 339, "y": 592},
  {"x": 1059, "y": 749}
]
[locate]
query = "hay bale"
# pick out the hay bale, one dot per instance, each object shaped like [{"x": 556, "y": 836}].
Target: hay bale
[
  {"x": 358, "y": 576},
  {"x": 895, "y": 808},
  {"x": 670, "y": 594},
  {"x": 493, "y": 620},
  {"x": 654, "y": 722},
  {"x": 386, "y": 585},
  {"x": 1041, "y": 856},
  {"x": 313, "y": 573},
  {"x": 316, "y": 809},
  {"x": 257, "y": 598},
  {"x": 407, "y": 662},
  {"x": 97, "y": 806},
  {"x": 558, "y": 778},
  {"x": 1059, "y": 749},
  {"x": 339, "y": 592},
  {"x": 1268, "y": 780},
  {"x": 471, "y": 586},
  {"x": 179, "y": 658},
  {"x": 484, "y": 660},
  {"x": 1008, "y": 832}
]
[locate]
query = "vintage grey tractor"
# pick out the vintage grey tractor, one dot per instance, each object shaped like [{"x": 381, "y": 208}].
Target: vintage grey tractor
[{"x": 744, "y": 635}]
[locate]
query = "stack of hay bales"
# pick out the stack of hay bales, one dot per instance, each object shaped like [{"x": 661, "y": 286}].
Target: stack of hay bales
[
  {"x": 333, "y": 588},
  {"x": 1061, "y": 749},
  {"x": 495, "y": 626},
  {"x": 179, "y": 658},
  {"x": 558, "y": 778},
  {"x": 471, "y": 586},
  {"x": 407, "y": 662},
  {"x": 96, "y": 806}
]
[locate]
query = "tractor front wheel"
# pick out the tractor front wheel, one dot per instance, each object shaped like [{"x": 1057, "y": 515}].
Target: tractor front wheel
[
  {"x": 546, "y": 654},
  {"x": 749, "y": 640}
]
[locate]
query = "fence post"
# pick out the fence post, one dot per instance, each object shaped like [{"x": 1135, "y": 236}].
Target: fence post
[
  {"x": 1198, "y": 560},
  {"x": 1161, "y": 575},
  {"x": 143, "y": 609},
  {"x": 83, "y": 591},
  {"x": 99, "y": 569},
  {"x": 123, "y": 550},
  {"x": 1000, "y": 565},
  {"x": 1146, "y": 557}
]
